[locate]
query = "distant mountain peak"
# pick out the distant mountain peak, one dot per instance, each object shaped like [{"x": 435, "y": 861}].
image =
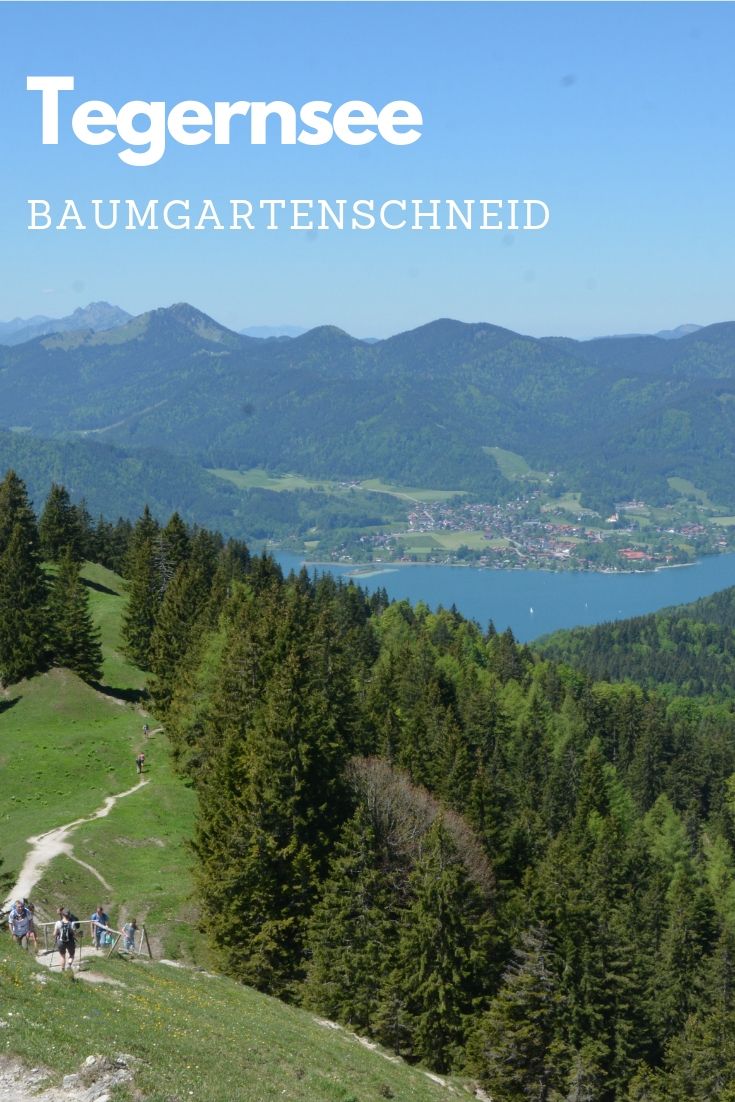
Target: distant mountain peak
[
  {"x": 196, "y": 321},
  {"x": 97, "y": 316},
  {"x": 680, "y": 331}
]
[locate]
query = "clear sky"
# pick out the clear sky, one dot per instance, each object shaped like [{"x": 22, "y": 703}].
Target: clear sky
[{"x": 619, "y": 116}]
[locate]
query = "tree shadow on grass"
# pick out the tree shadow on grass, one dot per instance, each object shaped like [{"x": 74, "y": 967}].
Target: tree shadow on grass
[
  {"x": 100, "y": 588},
  {"x": 130, "y": 696},
  {"x": 6, "y": 705}
]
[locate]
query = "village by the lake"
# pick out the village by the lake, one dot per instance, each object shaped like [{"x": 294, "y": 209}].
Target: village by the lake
[{"x": 536, "y": 531}]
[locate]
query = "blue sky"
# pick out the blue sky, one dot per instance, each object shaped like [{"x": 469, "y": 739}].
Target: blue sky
[{"x": 619, "y": 116}]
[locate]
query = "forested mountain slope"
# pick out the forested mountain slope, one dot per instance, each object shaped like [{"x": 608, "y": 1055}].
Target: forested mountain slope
[
  {"x": 112, "y": 481},
  {"x": 614, "y": 417},
  {"x": 689, "y": 649},
  {"x": 488, "y": 862}
]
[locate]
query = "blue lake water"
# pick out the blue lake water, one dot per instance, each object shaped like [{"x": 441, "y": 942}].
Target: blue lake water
[{"x": 534, "y": 602}]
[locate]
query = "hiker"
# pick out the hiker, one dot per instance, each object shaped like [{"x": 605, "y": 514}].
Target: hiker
[
  {"x": 65, "y": 940},
  {"x": 21, "y": 923},
  {"x": 146, "y": 730},
  {"x": 32, "y": 929},
  {"x": 129, "y": 930},
  {"x": 139, "y": 761},
  {"x": 100, "y": 921}
]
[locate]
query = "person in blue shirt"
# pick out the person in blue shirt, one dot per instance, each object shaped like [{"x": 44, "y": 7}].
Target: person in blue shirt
[
  {"x": 129, "y": 930},
  {"x": 99, "y": 922}
]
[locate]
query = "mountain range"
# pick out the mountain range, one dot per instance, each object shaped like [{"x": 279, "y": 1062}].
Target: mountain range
[
  {"x": 98, "y": 316},
  {"x": 614, "y": 417}
]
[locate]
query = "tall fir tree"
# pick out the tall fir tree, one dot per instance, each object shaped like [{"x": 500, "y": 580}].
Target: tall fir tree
[
  {"x": 517, "y": 1049},
  {"x": 144, "y": 598},
  {"x": 444, "y": 952},
  {"x": 59, "y": 528},
  {"x": 73, "y": 637},
  {"x": 352, "y": 938},
  {"x": 183, "y": 605},
  {"x": 23, "y": 591}
]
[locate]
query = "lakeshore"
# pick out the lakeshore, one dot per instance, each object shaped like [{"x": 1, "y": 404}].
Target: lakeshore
[{"x": 536, "y": 602}]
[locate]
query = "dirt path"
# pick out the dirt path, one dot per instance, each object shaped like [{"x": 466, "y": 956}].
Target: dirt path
[
  {"x": 44, "y": 847},
  {"x": 96, "y": 1079}
]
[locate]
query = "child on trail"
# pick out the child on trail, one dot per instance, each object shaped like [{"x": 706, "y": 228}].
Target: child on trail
[
  {"x": 100, "y": 921},
  {"x": 129, "y": 930},
  {"x": 65, "y": 940},
  {"x": 20, "y": 921},
  {"x": 139, "y": 762}
]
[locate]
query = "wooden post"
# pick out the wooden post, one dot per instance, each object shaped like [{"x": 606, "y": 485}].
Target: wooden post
[
  {"x": 147, "y": 942},
  {"x": 113, "y": 947}
]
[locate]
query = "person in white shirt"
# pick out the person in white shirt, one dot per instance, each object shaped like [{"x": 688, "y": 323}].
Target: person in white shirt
[{"x": 20, "y": 922}]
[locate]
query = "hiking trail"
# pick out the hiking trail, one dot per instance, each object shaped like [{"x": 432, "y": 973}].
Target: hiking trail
[{"x": 45, "y": 847}]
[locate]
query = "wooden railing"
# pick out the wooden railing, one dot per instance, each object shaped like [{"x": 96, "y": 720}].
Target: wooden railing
[{"x": 142, "y": 948}]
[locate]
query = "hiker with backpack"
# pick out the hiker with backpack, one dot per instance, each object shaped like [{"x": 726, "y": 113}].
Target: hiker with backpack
[
  {"x": 65, "y": 939},
  {"x": 20, "y": 921},
  {"x": 139, "y": 762}
]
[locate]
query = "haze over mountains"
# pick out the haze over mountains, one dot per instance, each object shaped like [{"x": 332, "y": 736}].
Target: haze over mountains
[
  {"x": 613, "y": 417},
  {"x": 97, "y": 316}
]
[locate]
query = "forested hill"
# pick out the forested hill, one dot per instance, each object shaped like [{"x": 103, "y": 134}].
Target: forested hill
[
  {"x": 615, "y": 417},
  {"x": 416, "y": 827},
  {"x": 112, "y": 481},
  {"x": 687, "y": 650},
  {"x": 480, "y": 859}
]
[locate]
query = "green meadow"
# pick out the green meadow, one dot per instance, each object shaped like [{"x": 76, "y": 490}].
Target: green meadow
[
  {"x": 65, "y": 747},
  {"x": 194, "y": 1035},
  {"x": 257, "y": 478},
  {"x": 514, "y": 467}
]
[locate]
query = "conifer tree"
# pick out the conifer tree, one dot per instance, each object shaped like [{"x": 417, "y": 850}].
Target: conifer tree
[
  {"x": 517, "y": 1051},
  {"x": 74, "y": 638},
  {"x": 15, "y": 508},
  {"x": 145, "y": 530},
  {"x": 183, "y": 605},
  {"x": 687, "y": 937},
  {"x": 352, "y": 937},
  {"x": 444, "y": 951},
  {"x": 273, "y": 794},
  {"x": 23, "y": 617},
  {"x": 171, "y": 549},
  {"x": 139, "y": 619},
  {"x": 59, "y": 528},
  {"x": 701, "y": 1059}
]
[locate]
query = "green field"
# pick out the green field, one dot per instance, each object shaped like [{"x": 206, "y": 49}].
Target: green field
[
  {"x": 411, "y": 493},
  {"x": 260, "y": 479},
  {"x": 192, "y": 1035},
  {"x": 256, "y": 478},
  {"x": 569, "y": 503},
  {"x": 451, "y": 541},
  {"x": 65, "y": 747},
  {"x": 724, "y": 522},
  {"x": 687, "y": 489},
  {"x": 514, "y": 467}
]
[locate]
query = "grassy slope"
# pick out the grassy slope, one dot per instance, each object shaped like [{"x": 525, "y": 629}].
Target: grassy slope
[
  {"x": 64, "y": 747},
  {"x": 196, "y": 1036}
]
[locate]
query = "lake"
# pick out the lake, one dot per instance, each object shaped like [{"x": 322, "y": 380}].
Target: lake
[{"x": 534, "y": 602}]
